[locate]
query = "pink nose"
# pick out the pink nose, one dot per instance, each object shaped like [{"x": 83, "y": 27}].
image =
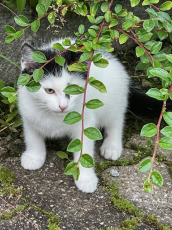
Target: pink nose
[{"x": 63, "y": 107}]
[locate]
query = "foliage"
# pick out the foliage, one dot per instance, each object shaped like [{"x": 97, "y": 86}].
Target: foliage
[{"x": 149, "y": 35}]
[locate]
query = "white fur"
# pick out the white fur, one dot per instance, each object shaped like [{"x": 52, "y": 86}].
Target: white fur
[{"x": 43, "y": 118}]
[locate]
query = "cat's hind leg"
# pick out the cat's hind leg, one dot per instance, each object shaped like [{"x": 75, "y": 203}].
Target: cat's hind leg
[{"x": 35, "y": 154}]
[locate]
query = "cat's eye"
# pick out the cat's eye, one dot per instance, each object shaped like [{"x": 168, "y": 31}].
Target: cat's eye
[{"x": 49, "y": 91}]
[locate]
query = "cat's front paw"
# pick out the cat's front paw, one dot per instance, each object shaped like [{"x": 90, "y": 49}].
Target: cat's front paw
[
  {"x": 111, "y": 151},
  {"x": 87, "y": 184},
  {"x": 30, "y": 162}
]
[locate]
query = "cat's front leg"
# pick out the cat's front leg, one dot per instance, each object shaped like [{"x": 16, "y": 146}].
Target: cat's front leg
[
  {"x": 112, "y": 145},
  {"x": 35, "y": 154},
  {"x": 88, "y": 180}
]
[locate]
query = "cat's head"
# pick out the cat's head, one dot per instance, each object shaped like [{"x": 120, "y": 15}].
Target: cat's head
[{"x": 56, "y": 78}]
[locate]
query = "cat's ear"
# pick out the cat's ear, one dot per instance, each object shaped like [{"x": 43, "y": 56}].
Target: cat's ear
[{"x": 27, "y": 62}]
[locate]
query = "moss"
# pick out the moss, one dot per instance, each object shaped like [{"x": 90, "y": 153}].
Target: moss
[
  {"x": 6, "y": 176},
  {"x": 130, "y": 224},
  {"x": 125, "y": 206},
  {"x": 53, "y": 220},
  {"x": 7, "y": 215},
  {"x": 121, "y": 203},
  {"x": 153, "y": 221}
]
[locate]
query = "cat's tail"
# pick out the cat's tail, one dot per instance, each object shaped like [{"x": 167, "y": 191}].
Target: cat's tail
[{"x": 141, "y": 104}]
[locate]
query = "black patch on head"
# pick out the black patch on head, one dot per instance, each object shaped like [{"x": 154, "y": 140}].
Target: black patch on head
[
  {"x": 52, "y": 67},
  {"x": 67, "y": 95}
]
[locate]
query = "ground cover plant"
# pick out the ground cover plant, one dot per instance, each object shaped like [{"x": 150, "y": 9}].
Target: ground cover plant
[{"x": 109, "y": 22}]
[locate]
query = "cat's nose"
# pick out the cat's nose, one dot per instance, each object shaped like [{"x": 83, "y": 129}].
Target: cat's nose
[{"x": 63, "y": 107}]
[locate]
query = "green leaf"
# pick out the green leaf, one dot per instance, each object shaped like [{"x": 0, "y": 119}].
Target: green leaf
[
  {"x": 85, "y": 56},
  {"x": 166, "y": 6},
  {"x": 139, "y": 51},
  {"x": 76, "y": 173},
  {"x": 7, "y": 91},
  {"x": 97, "y": 57},
  {"x": 158, "y": 72},
  {"x": 162, "y": 35},
  {"x": 92, "y": 32},
  {"x": 118, "y": 8},
  {"x": 74, "y": 146},
  {"x": 168, "y": 118},
  {"x": 167, "y": 26},
  {"x": 156, "y": 48},
  {"x": 35, "y": 25},
  {"x": 94, "y": 104},
  {"x": 82, "y": 10},
  {"x": 23, "y": 79},
  {"x": 17, "y": 123},
  {"x": 148, "y": 25},
  {"x": 155, "y": 93},
  {"x": 41, "y": 9},
  {"x": 33, "y": 86},
  {"x": 99, "y": 19},
  {"x": 81, "y": 29},
  {"x": 77, "y": 66},
  {"x": 104, "y": 6},
  {"x": 145, "y": 58},
  {"x": 166, "y": 143},
  {"x": 123, "y": 38},
  {"x": 10, "y": 30},
  {"x": 70, "y": 168},
  {"x": 52, "y": 17},
  {"x": 86, "y": 161},
  {"x": 39, "y": 57},
  {"x": 21, "y": 20},
  {"x": 38, "y": 74},
  {"x": 148, "y": 2},
  {"x": 62, "y": 155},
  {"x": 73, "y": 89},
  {"x": 72, "y": 118},
  {"x": 11, "y": 98},
  {"x": 11, "y": 116},
  {"x": 97, "y": 84},
  {"x": 169, "y": 57},
  {"x": 167, "y": 131},
  {"x": 102, "y": 63},
  {"x": 9, "y": 38},
  {"x": 149, "y": 130},
  {"x": 59, "y": 2},
  {"x": 144, "y": 36},
  {"x": 58, "y": 46},
  {"x": 91, "y": 18},
  {"x": 127, "y": 25},
  {"x": 164, "y": 16},
  {"x": 113, "y": 22},
  {"x": 134, "y": 2},
  {"x": 108, "y": 16},
  {"x": 18, "y": 34},
  {"x": 93, "y": 9},
  {"x": 20, "y": 5},
  {"x": 147, "y": 186},
  {"x": 145, "y": 165},
  {"x": 46, "y": 3},
  {"x": 93, "y": 133},
  {"x": 156, "y": 178},
  {"x": 73, "y": 49},
  {"x": 60, "y": 60},
  {"x": 64, "y": 11}
]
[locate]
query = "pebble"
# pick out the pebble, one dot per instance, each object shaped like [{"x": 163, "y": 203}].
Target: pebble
[{"x": 114, "y": 172}]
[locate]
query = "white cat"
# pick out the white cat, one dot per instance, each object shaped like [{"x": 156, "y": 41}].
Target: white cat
[{"x": 43, "y": 111}]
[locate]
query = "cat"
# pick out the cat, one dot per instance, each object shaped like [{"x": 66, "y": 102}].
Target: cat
[{"x": 43, "y": 111}]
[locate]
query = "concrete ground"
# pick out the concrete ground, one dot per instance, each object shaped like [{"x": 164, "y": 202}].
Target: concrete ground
[{"x": 52, "y": 191}]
